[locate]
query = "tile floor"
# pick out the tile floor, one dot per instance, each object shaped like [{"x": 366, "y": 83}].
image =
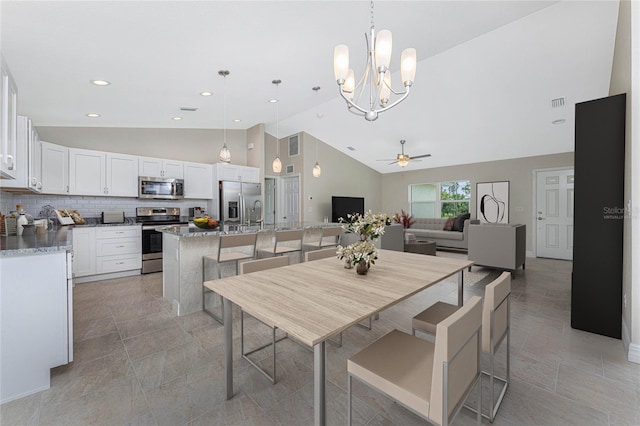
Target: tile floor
[{"x": 137, "y": 364}]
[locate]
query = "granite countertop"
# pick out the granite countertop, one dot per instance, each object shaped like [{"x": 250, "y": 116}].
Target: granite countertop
[
  {"x": 96, "y": 221},
  {"x": 193, "y": 231},
  {"x": 51, "y": 241}
]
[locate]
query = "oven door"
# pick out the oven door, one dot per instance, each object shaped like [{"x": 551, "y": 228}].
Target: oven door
[{"x": 151, "y": 249}]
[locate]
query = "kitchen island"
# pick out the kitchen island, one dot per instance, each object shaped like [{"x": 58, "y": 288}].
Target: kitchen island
[
  {"x": 184, "y": 247},
  {"x": 36, "y": 301}
]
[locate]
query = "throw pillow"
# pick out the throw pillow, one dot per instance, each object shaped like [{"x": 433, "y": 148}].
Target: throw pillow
[
  {"x": 459, "y": 222},
  {"x": 448, "y": 225}
]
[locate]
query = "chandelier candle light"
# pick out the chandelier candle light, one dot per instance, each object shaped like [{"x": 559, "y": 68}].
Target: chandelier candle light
[
  {"x": 225, "y": 154},
  {"x": 377, "y": 75}
]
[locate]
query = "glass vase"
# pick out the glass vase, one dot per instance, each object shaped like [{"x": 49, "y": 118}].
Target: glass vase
[{"x": 362, "y": 267}]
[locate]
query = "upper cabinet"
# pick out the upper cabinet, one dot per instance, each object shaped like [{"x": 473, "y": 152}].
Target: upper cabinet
[
  {"x": 55, "y": 168},
  {"x": 8, "y": 123},
  {"x": 232, "y": 172},
  {"x": 102, "y": 173},
  {"x": 158, "y": 167},
  {"x": 198, "y": 181},
  {"x": 27, "y": 160}
]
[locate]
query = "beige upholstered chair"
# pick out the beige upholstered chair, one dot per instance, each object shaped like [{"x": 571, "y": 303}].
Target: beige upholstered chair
[
  {"x": 231, "y": 248},
  {"x": 495, "y": 328},
  {"x": 431, "y": 379},
  {"x": 330, "y": 237},
  {"x": 320, "y": 254},
  {"x": 257, "y": 266},
  {"x": 287, "y": 236}
]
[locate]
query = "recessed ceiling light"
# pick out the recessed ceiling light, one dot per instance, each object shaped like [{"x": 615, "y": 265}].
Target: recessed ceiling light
[
  {"x": 206, "y": 93},
  {"x": 236, "y": 120},
  {"x": 100, "y": 82},
  {"x": 93, "y": 115},
  {"x": 559, "y": 121},
  {"x": 176, "y": 118},
  {"x": 273, "y": 101}
]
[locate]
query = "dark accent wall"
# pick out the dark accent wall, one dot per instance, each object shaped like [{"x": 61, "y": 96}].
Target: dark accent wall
[{"x": 596, "y": 287}]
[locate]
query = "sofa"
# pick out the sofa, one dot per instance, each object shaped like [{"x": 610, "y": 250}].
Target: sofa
[{"x": 433, "y": 230}]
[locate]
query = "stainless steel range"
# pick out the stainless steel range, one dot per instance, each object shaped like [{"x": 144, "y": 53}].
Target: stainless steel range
[{"x": 153, "y": 218}]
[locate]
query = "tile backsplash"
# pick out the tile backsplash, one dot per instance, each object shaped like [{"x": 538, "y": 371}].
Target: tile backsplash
[{"x": 91, "y": 206}]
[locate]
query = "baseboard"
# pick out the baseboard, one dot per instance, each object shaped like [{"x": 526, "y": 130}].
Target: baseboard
[
  {"x": 633, "y": 350},
  {"x": 99, "y": 277},
  {"x": 530, "y": 253}
]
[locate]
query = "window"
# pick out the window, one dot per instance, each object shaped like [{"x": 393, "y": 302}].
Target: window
[{"x": 443, "y": 199}]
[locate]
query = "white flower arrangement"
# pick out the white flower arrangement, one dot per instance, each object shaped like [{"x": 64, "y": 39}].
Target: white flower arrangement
[{"x": 369, "y": 227}]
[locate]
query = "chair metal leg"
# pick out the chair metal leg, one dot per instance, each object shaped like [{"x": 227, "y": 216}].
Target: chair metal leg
[
  {"x": 349, "y": 399},
  {"x": 273, "y": 342}
]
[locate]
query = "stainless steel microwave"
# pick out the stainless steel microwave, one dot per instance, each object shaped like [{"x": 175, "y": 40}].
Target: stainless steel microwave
[{"x": 160, "y": 188}]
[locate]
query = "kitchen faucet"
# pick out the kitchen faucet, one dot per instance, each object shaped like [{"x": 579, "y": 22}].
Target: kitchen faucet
[{"x": 253, "y": 209}]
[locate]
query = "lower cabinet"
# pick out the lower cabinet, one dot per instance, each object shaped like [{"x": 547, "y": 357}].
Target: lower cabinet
[
  {"x": 36, "y": 311},
  {"x": 106, "y": 250}
]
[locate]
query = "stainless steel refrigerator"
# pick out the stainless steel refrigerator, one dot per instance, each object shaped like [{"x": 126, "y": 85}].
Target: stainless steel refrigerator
[{"x": 240, "y": 203}]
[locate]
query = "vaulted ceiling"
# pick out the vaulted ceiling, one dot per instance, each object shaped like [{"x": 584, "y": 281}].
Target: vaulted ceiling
[{"x": 487, "y": 70}]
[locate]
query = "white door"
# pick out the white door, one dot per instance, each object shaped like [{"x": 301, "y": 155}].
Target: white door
[
  {"x": 291, "y": 193},
  {"x": 87, "y": 172},
  {"x": 122, "y": 175},
  {"x": 55, "y": 168},
  {"x": 554, "y": 214},
  {"x": 198, "y": 181}
]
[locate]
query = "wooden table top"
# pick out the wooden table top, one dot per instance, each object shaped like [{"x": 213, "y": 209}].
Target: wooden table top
[{"x": 313, "y": 301}]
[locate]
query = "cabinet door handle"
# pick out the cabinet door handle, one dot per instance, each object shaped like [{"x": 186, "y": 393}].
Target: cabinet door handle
[
  {"x": 119, "y": 246},
  {"x": 9, "y": 161},
  {"x": 119, "y": 263}
]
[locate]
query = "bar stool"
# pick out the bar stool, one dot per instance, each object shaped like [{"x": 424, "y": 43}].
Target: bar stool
[
  {"x": 231, "y": 248},
  {"x": 286, "y": 236},
  {"x": 330, "y": 237}
]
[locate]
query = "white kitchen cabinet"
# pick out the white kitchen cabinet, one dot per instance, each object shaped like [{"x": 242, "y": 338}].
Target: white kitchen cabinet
[
  {"x": 158, "y": 167},
  {"x": 232, "y": 172},
  {"x": 106, "y": 252},
  {"x": 198, "y": 181},
  {"x": 36, "y": 321},
  {"x": 55, "y": 168},
  {"x": 8, "y": 123},
  {"x": 102, "y": 173},
  {"x": 35, "y": 161},
  {"x": 87, "y": 172},
  {"x": 118, "y": 248},
  {"x": 122, "y": 175},
  {"x": 84, "y": 251},
  {"x": 28, "y": 160}
]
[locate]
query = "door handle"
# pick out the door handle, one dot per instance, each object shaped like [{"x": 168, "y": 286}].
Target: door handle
[{"x": 541, "y": 218}]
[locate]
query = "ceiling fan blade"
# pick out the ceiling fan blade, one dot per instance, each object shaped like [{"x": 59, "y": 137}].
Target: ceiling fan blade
[
  {"x": 394, "y": 162},
  {"x": 387, "y": 159},
  {"x": 421, "y": 156}
]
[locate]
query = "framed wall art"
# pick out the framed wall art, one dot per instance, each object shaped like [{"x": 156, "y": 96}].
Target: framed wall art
[{"x": 492, "y": 202}]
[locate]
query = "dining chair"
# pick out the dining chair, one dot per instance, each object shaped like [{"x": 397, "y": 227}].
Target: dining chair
[
  {"x": 431, "y": 379},
  {"x": 286, "y": 236},
  {"x": 495, "y": 329},
  {"x": 320, "y": 254},
  {"x": 330, "y": 237},
  {"x": 251, "y": 266},
  {"x": 231, "y": 248}
]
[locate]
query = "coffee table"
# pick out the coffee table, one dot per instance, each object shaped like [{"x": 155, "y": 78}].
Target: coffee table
[{"x": 421, "y": 247}]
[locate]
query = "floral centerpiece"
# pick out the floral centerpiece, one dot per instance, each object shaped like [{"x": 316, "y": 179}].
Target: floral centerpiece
[{"x": 369, "y": 227}]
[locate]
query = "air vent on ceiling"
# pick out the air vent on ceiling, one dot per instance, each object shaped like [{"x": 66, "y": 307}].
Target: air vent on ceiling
[
  {"x": 350, "y": 148},
  {"x": 190, "y": 109},
  {"x": 557, "y": 102}
]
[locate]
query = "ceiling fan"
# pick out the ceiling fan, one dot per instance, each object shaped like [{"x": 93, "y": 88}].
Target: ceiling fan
[{"x": 403, "y": 159}]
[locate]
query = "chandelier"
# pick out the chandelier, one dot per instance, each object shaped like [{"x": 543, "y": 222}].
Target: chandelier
[
  {"x": 225, "y": 154},
  {"x": 377, "y": 75}
]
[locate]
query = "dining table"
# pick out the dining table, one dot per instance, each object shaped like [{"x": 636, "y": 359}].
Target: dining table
[{"x": 314, "y": 301}]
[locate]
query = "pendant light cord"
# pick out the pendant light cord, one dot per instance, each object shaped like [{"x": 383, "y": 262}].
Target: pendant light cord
[{"x": 224, "y": 111}]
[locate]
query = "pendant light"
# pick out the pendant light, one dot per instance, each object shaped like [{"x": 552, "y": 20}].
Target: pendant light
[
  {"x": 277, "y": 164},
  {"x": 316, "y": 168},
  {"x": 225, "y": 154}
]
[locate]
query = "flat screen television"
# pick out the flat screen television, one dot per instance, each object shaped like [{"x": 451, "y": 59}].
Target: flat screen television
[{"x": 342, "y": 206}]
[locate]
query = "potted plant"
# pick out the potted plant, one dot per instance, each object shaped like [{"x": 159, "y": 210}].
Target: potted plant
[{"x": 403, "y": 218}]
